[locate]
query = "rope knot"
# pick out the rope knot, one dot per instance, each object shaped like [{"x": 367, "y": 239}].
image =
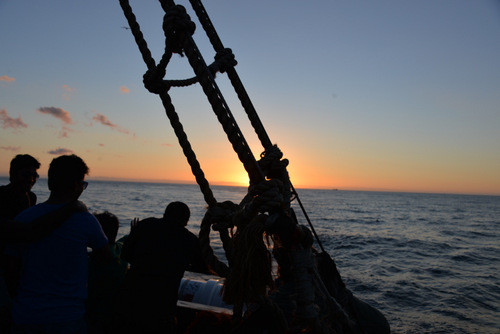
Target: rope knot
[
  {"x": 224, "y": 59},
  {"x": 267, "y": 196},
  {"x": 176, "y": 22},
  {"x": 271, "y": 164},
  {"x": 221, "y": 215},
  {"x": 153, "y": 81}
]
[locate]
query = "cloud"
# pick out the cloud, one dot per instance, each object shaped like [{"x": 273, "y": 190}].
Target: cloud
[
  {"x": 68, "y": 92},
  {"x": 68, "y": 88},
  {"x": 60, "y": 113},
  {"x": 11, "y": 123},
  {"x": 6, "y": 78},
  {"x": 64, "y": 132},
  {"x": 60, "y": 151},
  {"x": 167, "y": 145},
  {"x": 10, "y": 148},
  {"x": 124, "y": 89},
  {"x": 100, "y": 118}
]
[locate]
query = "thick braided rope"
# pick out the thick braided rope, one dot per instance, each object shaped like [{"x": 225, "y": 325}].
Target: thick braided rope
[
  {"x": 245, "y": 100},
  {"x": 182, "y": 41},
  {"x": 208, "y": 254},
  {"x": 188, "y": 151},
  {"x": 275, "y": 167},
  {"x": 222, "y": 111},
  {"x": 232, "y": 74},
  {"x": 138, "y": 36},
  {"x": 251, "y": 271},
  {"x": 187, "y": 45},
  {"x": 240, "y": 90},
  {"x": 216, "y": 100},
  {"x": 220, "y": 217},
  {"x": 169, "y": 108}
]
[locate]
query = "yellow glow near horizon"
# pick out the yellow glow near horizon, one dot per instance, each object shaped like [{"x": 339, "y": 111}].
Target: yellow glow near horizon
[{"x": 345, "y": 174}]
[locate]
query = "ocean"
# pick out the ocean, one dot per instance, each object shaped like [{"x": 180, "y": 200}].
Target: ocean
[{"x": 429, "y": 262}]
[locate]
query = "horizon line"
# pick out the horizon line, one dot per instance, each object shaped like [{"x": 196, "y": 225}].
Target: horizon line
[{"x": 236, "y": 184}]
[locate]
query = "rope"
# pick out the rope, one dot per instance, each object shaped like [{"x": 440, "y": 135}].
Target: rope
[
  {"x": 222, "y": 111},
  {"x": 152, "y": 75},
  {"x": 243, "y": 96},
  {"x": 248, "y": 276},
  {"x": 207, "y": 25},
  {"x": 178, "y": 39},
  {"x": 220, "y": 217},
  {"x": 178, "y": 30},
  {"x": 307, "y": 218},
  {"x": 136, "y": 32}
]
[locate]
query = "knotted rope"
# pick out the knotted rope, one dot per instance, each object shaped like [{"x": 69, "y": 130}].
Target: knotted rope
[
  {"x": 243, "y": 96},
  {"x": 154, "y": 74},
  {"x": 270, "y": 191},
  {"x": 250, "y": 275},
  {"x": 220, "y": 216}
]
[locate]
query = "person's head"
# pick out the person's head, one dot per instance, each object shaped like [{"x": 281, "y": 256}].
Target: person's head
[
  {"x": 22, "y": 171},
  {"x": 67, "y": 174},
  {"x": 109, "y": 223},
  {"x": 178, "y": 213}
]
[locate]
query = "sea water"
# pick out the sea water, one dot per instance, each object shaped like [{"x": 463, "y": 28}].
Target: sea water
[{"x": 429, "y": 262}]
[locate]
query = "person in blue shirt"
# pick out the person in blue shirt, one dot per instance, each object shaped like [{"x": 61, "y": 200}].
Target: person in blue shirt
[{"x": 53, "y": 286}]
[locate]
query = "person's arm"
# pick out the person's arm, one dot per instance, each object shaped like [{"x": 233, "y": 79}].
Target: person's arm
[{"x": 14, "y": 231}]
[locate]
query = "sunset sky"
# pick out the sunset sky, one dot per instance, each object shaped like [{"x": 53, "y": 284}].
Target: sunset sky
[{"x": 366, "y": 95}]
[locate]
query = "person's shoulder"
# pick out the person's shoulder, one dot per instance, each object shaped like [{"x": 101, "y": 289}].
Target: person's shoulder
[
  {"x": 148, "y": 225},
  {"x": 84, "y": 217},
  {"x": 189, "y": 235},
  {"x": 33, "y": 212},
  {"x": 149, "y": 222}
]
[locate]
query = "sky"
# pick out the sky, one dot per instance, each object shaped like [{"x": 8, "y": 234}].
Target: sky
[{"x": 389, "y": 95}]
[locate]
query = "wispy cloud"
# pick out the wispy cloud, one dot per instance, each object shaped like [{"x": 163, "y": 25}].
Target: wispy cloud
[
  {"x": 68, "y": 88},
  {"x": 11, "y": 123},
  {"x": 6, "y": 78},
  {"x": 59, "y": 113},
  {"x": 10, "y": 148},
  {"x": 124, "y": 90},
  {"x": 68, "y": 92},
  {"x": 100, "y": 118},
  {"x": 167, "y": 145},
  {"x": 64, "y": 132},
  {"x": 60, "y": 151}
]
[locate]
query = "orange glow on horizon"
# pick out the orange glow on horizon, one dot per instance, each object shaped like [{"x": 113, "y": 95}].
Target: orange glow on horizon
[{"x": 309, "y": 172}]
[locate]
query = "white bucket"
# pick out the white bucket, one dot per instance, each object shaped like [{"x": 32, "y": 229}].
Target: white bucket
[{"x": 202, "y": 292}]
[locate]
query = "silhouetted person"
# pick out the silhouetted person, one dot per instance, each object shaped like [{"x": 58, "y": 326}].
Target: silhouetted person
[
  {"x": 17, "y": 195},
  {"x": 53, "y": 282},
  {"x": 159, "y": 251},
  {"x": 14, "y": 198},
  {"x": 105, "y": 279}
]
